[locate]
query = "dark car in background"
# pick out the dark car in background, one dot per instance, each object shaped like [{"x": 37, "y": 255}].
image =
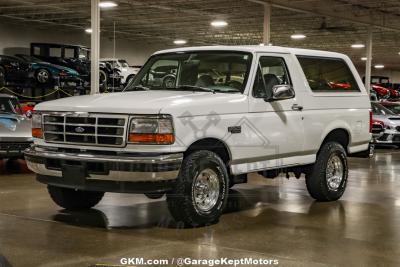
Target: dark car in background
[
  {"x": 76, "y": 57},
  {"x": 13, "y": 70},
  {"x": 45, "y": 73}
]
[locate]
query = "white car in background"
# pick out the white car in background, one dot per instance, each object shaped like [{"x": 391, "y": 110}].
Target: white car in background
[{"x": 127, "y": 72}]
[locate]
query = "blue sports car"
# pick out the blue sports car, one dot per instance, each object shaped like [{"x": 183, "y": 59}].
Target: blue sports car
[{"x": 46, "y": 73}]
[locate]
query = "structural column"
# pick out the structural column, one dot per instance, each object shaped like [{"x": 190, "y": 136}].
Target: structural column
[
  {"x": 368, "y": 65},
  {"x": 95, "y": 47},
  {"x": 267, "y": 24}
]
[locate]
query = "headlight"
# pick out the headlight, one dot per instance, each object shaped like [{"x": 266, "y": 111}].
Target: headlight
[
  {"x": 37, "y": 125},
  {"x": 151, "y": 130}
]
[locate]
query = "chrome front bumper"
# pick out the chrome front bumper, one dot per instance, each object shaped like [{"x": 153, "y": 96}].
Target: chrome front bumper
[{"x": 104, "y": 167}]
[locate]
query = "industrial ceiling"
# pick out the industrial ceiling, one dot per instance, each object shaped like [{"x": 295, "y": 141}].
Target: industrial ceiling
[{"x": 328, "y": 24}]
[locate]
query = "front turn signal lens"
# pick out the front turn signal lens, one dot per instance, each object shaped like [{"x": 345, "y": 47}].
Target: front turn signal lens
[
  {"x": 37, "y": 133},
  {"x": 159, "y": 139}
]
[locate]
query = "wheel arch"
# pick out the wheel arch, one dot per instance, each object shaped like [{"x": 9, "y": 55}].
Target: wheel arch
[
  {"x": 212, "y": 144},
  {"x": 340, "y": 135}
]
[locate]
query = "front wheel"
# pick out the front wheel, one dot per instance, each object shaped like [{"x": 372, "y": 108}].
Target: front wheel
[
  {"x": 201, "y": 190},
  {"x": 72, "y": 199},
  {"x": 327, "y": 179}
]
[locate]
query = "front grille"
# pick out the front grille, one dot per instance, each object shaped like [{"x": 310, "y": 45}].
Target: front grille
[
  {"x": 14, "y": 146},
  {"x": 85, "y": 129}
]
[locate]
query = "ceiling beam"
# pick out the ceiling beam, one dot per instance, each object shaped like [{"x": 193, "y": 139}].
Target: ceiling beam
[{"x": 341, "y": 9}]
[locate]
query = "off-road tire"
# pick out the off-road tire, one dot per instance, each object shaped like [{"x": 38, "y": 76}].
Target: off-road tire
[
  {"x": 181, "y": 199},
  {"x": 71, "y": 199},
  {"x": 316, "y": 178}
]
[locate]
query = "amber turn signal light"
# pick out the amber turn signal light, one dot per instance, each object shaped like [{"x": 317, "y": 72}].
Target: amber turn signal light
[
  {"x": 37, "y": 133},
  {"x": 160, "y": 139}
]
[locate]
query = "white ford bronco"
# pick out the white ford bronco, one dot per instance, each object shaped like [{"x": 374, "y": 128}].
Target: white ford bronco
[{"x": 195, "y": 121}]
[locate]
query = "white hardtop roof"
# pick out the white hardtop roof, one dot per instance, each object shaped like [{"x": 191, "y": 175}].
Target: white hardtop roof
[{"x": 257, "y": 49}]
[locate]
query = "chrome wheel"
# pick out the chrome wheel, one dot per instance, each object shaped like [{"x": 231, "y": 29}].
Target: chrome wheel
[
  {"x": 205, "y": 190},
  {"x": 334, "y": 172},
  {"x": 43, "y": 76},
  {"x": 169, "y": 82}
]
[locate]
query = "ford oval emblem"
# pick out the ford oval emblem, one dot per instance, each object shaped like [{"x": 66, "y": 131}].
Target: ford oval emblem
[{"x": 79, "y": 129}]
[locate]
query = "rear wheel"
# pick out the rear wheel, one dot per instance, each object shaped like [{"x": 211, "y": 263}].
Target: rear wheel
[
  {"x": 72, "y": 199},
  {"x": 43, "y": 76},
  {"x": 129, "y": 79},
  {"x": 201, "y": 190},
  {"x": 327, "y": 179}
]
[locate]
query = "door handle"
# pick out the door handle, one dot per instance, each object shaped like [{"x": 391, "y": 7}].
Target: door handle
[{"x": 297, "y": 107}]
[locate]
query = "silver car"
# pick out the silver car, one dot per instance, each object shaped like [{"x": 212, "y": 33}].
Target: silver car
[
  {"x": 15, "y": 128},
  {"x": 391, "y": 121}
]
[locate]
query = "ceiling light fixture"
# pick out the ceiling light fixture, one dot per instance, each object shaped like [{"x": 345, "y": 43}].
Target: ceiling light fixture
[
  {"x": 180, "y": 42},
  {"x": 88, "y": 30},
  {"x": 364, "y": 59},
  {"x": 357, "y": 46},
  {"x": 107, "y": 4},
  {"x": 219, "y": 23},
  {"x": 298, "y": 36},
  {"x": 379, "y": 66}
]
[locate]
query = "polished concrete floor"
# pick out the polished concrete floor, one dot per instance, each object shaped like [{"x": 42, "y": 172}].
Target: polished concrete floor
[{"x": 271, "y": 219}]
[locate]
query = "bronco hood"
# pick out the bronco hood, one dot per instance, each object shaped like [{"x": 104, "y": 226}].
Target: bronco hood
[{"x": 151, "y": 102}]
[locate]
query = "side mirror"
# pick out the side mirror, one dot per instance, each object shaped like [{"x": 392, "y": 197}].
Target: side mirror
[
  {"x": 282, "y": 92},
  {"x": 28, "y": 114}
]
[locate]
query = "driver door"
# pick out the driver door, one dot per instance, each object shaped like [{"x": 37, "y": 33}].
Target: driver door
[{"x": 278, "y": 124}]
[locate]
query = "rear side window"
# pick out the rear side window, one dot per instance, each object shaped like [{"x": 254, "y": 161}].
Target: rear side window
[{"x": 328, "y": 74}]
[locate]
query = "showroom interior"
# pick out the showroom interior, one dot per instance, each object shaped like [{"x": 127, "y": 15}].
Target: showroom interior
[{"x": 62, "y": 49}]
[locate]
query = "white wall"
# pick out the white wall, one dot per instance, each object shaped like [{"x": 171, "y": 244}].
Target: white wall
[{"x": 17, "y": 39}]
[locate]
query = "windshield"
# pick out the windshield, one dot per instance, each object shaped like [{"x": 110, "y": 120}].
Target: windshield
[
  {"x": 214, "y": 71},
  {"x": 393, "y": 108},
  {"x": 10, "y": 105},
  {"x": 378, "y": 109}
]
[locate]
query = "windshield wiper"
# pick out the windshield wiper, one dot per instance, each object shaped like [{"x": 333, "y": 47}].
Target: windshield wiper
[
  {"x": 138, "y": 87},
  {"x": 196, "y": 88}
]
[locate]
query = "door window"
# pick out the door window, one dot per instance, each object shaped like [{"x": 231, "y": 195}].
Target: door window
[
  {"x": 69, "y": 53},
  {"x": 55, "y": 51},
  {"x": 271, "y": 71}
]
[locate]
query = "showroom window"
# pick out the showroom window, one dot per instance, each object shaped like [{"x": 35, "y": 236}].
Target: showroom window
[
  {"x": 271, "y": 71},
  {"x": 328, "y": 74}
]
